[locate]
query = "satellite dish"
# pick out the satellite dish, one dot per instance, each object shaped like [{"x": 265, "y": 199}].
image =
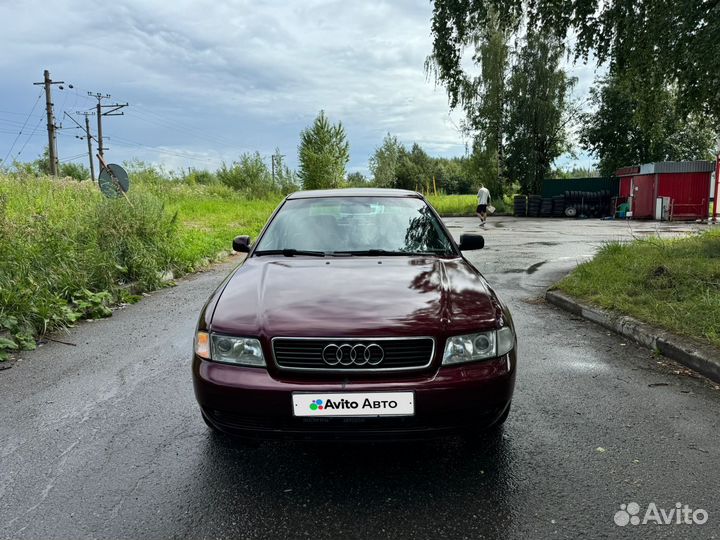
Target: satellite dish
[{"x": 113, "y": 180}]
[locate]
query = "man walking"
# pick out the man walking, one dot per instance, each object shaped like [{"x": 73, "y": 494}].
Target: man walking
[{"x": 483, "y": 201}]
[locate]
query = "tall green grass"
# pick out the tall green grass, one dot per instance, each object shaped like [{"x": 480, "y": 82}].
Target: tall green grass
[
  {"x": 209, "y": 217},
  {"x": 673, "y": 284},
  {"x": 459, "y": 205},
  {"x": 67, "y": 252}
]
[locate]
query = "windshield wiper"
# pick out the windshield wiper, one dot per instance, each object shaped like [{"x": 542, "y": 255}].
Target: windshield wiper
[
  {"x": 290, "y": 252},
  {"x": 376, "y": 252}
]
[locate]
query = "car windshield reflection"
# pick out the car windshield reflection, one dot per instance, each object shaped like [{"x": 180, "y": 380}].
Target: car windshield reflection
[{"x": 355, "y": 226}]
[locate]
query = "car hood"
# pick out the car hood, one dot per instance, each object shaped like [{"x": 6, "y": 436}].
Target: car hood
[{"x": 352, "y": 297}]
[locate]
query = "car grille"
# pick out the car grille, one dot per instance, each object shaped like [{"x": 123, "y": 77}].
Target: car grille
[{"x": 398, "y": 354}]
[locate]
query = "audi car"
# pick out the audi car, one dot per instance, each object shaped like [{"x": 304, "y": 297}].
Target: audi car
[{"x": 354, "y": 315}]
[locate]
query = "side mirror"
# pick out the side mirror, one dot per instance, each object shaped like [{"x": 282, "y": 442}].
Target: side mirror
[
  {"x": 241, "y": 244},
  {"x": 471, "y": 241}
]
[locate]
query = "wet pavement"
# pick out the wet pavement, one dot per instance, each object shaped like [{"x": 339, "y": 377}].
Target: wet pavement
[{"x": 104, "y": 440}]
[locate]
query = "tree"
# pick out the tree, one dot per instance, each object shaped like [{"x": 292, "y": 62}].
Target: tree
[
  {"x": 250, "y": 175},
  {"x": 73, "y": 170},
  {"x": 489, "y": 116},
  {"x": 676, "y": 41},
  {"x": 538, "y": 91},
  {"x": 482, "y": 96},
  {"x": 454, "y": 176},
  {"x": 641, "y": 121},
  {"x": 384, "y": 162},
  {"x": 515, "y": 99},
  {"x": 202, "y": 177},
  {"x": 415, "y": 169},
  {"x": 285, "y": 178},
  {"x": 356, "y": 179},
  {"x": 323, "y": 154},
  {"x": 575, "y": 172}
]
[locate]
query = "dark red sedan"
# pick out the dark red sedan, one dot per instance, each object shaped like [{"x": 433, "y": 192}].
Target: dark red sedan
[{"x": 354, "y": 315}]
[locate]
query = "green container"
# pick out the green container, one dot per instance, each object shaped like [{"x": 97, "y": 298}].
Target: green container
[{"x": 558, "y": 186}]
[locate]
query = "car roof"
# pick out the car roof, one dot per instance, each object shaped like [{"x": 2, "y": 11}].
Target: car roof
[{"x": 353, "y": 192}]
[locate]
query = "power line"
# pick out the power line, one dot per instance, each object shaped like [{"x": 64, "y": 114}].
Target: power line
[
  {"x": 88, "y": 137},
  {"x": 127, "y": 143},
  {"x": 73, "y": 158},
  {"x": 14, "y": 112},
  {"x": 29, "y": 137},
  {"x": 14, "y": 123},
  {"x": 177, "y": 126},
  {"x": 22, "y": 128}
]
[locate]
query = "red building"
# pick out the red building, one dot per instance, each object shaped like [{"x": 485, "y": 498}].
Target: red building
[{"x": 683, "y": 185}]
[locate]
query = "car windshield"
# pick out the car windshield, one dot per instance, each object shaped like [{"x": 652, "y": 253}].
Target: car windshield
[{"x": 355, "y": 226}]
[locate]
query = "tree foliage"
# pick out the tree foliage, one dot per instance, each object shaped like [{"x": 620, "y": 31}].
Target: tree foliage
[
  {"x": 536, "y": 127},
  {"x": 515, "y": 96},
  {"x": 384, "y": 162},
  {"x": 323, "y": 154},
  {"x": 77, "y": 171},
  {"x": 356, "y": 179},
  {"x": 636, "y": 121},
  {"x": 285, "y": 178},
  {"x": 394, "y": 166},
  {"x": 675, "y": 41},
  {"x": 249, "y": 174}
]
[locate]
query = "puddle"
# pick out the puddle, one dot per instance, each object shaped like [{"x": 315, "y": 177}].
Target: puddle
[{"x": 534, "y": 268}]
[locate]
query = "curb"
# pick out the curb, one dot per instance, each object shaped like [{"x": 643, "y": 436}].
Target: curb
[{"x": 705, "y": 359}]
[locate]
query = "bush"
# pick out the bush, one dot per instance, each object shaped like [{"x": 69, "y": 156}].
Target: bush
[
  {"x": 249, "y": 176},
  {"x": 66, "y": 251},
  {"x": 70, "y": 249}
]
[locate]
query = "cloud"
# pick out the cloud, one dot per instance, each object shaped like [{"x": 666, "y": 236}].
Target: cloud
[{"x": 209, "y": 80}]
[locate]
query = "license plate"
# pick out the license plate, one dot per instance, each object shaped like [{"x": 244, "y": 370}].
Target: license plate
[{"x": 354, "y": 404}]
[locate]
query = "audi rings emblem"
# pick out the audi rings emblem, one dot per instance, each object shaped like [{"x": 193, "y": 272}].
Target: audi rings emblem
[{"x": 353, "y": 355}]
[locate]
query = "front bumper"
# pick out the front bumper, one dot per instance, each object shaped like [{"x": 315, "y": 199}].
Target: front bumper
[{"x": 250, "y": 402}]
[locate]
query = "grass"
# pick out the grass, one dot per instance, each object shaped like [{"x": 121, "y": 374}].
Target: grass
[
  {"x": 67, "y": 252},
  {"x": 209, "y": 217},
  {"x": 673, "y": 284},
  {"x": 459, "y": 205}
]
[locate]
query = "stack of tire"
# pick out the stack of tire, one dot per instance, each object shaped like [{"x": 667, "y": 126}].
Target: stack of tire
[
  {"x": 534, "y": 204},
  {"x": 558, "y": 206},
  {"x": 587, "y": 203},
  {"x": 546, "y": 207},
  {"x": 520, "y": 205}
]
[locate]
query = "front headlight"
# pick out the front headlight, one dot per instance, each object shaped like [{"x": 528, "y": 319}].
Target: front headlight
[
  {"x": 230, "y": 350},
  {"x": 480, "y": 346}
]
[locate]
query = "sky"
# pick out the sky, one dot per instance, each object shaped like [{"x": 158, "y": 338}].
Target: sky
[{"x": 207, "y": 81}]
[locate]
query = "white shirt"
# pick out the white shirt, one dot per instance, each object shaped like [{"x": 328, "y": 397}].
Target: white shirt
[{"x": 483, "y": 195}]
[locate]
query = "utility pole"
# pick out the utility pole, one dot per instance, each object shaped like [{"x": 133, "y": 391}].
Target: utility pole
[
  {"x": 51, "y": 127},
  {"x": 99, "y": 112},
  {"x": 89, "y": 143},
  {"x": 88, "y": 136}
]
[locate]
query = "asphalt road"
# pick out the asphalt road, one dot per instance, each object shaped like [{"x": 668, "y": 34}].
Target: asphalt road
[{"x": 104, "y": 440}]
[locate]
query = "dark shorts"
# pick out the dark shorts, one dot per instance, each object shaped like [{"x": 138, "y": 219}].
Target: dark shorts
[{"x": 481, "y": 208}]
